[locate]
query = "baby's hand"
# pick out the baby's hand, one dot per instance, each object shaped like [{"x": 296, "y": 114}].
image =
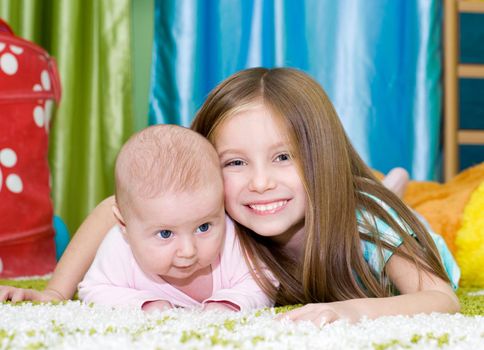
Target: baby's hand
[
  {"x": 159, "y": 305},
  {"x": 20, "y": 294},
  {"x": 219, "y": 306}
]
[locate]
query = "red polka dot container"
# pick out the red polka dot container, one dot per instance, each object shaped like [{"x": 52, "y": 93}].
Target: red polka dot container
[{"x": 29, "y": 86}]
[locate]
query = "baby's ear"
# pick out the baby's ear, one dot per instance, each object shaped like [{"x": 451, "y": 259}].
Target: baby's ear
[{"x": 119, "y": 217}]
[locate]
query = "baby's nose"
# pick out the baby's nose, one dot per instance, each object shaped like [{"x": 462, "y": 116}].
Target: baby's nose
[{"x": 187, "y": 248}]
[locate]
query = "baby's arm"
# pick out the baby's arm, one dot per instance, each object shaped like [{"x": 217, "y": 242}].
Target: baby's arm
[
  {"x": 433, "y": 295},
  {"x": 243, "y": 294},
  {"x": 111, "y": 278},
  {"x": 110, "y": 290},
  {"x": 156, "y": 305}
]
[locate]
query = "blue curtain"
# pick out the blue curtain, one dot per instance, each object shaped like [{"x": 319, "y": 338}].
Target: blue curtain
[{"x": 379, "y": 62}]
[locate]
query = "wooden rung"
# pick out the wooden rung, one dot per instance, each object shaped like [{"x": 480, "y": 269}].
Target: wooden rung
[
  {"x": 471, "y": 70},
  {"x": 471, "y": 6},
  {"x": 470, "y": 137}
]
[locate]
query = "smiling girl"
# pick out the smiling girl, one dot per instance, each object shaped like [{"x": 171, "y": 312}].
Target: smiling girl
[{"x": 308, "y": 207}]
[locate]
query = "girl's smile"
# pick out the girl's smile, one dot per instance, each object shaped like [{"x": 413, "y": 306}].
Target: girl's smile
[{"x": 269, "y": 207}]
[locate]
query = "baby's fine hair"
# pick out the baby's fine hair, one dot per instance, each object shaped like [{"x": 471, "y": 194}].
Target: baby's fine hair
[{"x": 161, "y": 159}]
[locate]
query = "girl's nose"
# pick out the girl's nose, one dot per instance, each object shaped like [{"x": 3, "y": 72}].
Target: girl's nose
[
  {"x": 261, "y": 180},
  {"x": 187, "y": 248}
]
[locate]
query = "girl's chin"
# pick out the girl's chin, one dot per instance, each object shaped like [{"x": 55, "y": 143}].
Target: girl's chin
[
  {"x": 281, "y": 232},
  {"x": 267, "y": 230}
]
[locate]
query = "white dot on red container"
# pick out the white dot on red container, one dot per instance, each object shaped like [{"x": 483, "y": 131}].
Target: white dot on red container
[
  {"x": 39, "y": 116},
  {"x": 14, "y": 183},
  {"x": 2, "y": 46},
  {"x": 8, "y": 157},
  {"x": 16, "y": 49},
  {"x": 37, "y": 87},
  {"x": 45, "y": 80},
  {"x": 8, "y": 63}
]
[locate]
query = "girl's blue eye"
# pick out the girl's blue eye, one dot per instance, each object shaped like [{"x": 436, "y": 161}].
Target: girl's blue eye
[
  {"x": 282, "y": 157},
  {"x": 203, "y": 228},
  {"x": 165, "y": 234},
  {"x": 236, "y": 162}
]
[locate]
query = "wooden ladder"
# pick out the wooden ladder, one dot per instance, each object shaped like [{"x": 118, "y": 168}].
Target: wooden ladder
[{"x": 453, "y": 71}]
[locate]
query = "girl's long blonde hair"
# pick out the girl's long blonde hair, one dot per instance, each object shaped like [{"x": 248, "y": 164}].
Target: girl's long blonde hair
[{"x": 338, "y": 184}]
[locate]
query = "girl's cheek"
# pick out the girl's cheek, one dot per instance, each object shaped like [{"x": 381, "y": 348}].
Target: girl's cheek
[
  {"x": 230, "y": 198},
  {"x": 230, "y": 185},
  {"x": 234, "y": 189}
]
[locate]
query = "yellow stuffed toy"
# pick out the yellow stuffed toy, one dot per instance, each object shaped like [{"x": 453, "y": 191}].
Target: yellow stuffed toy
[
  {"x": 455, "y": 210},
  {"x": 470, "y": 241},
  {"x": 443, "y": 204}
]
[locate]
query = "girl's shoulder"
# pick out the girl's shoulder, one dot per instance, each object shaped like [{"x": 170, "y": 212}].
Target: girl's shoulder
[
  {"x": 371, "y": 225},
  {"x": 384, "y": 205}
]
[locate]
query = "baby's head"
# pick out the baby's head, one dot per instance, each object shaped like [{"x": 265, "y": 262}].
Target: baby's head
[{"x": 169, "y": 201}]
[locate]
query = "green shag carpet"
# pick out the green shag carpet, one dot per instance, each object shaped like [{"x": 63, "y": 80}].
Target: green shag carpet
[
  {"x": 73, "y": 325},
  {"x": 471, "y": 299}
]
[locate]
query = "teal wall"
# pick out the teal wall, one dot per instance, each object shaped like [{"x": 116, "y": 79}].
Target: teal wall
[{"x": 471, "y": 91}]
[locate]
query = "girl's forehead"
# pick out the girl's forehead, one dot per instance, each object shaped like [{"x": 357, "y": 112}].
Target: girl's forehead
[
  {"x": 253, "y": 115},
  {"x": 255, "y": 128}
]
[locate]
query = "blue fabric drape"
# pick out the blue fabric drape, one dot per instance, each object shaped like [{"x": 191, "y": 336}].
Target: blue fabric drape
[{"x": 379, "y": 62}]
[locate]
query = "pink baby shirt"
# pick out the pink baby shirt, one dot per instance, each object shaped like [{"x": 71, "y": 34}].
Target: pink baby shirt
[{"x": 115, "y": 278}]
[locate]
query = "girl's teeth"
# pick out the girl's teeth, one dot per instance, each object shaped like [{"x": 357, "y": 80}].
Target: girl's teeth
[{"x": 267, "y": 207}]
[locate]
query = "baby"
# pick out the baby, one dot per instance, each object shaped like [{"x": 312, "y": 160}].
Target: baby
[{"x": 174, "y": 245}]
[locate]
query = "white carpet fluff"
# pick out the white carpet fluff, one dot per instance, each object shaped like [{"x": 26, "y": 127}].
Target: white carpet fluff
[{"x": 73, "y": 325}]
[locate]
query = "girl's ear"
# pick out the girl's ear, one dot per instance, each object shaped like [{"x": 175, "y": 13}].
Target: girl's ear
[{"x": 119, "y": 217}]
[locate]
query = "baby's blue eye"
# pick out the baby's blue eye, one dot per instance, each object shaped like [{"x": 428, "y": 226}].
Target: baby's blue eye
[
  {"x": 165, "y": 234},
  {"x": 203, "y": 228}
]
